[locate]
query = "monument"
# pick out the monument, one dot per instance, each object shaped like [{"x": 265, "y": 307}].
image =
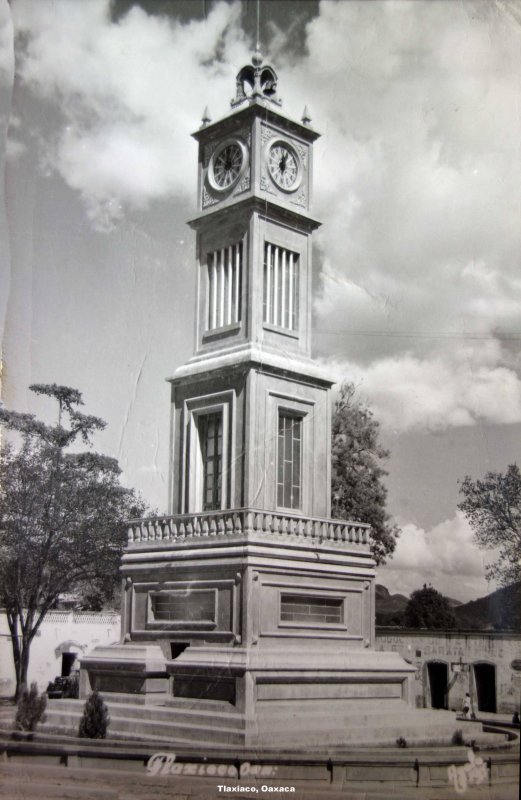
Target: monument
[{"x": 248, "y": 613}]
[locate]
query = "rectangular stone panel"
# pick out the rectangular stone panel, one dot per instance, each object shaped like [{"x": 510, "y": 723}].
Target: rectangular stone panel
[
  {"x": 205, "y": 688},
  {"x": 317, "y": 690}
]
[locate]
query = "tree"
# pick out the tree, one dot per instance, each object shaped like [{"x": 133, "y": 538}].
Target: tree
[
  {"x": 492, "y": 507},
  {"x": 358, "y": 491},
  {"x": 62, "y": 516},
  {"x": 427, "y": 608}
]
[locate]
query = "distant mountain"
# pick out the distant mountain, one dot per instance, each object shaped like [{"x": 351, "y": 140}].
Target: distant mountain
[
  {"x": 389, "y": 607},
  {"x": 498, "y": 611},
  {"x": 453, "y": 603}
]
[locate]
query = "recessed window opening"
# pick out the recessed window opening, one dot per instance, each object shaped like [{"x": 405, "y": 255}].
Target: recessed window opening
[
  {"x": 224, "y": 286},
  {"x": 281, "y": 279},
  {"x": 172, "y": 607},
  {"x": 210, "y": 427},
  {"x": 289, "y": 460},
  {"x": 308, "y": 608}
]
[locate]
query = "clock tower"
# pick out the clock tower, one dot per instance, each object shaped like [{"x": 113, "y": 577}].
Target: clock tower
[
  {"x": 251, "y": 411},
  {"x": 248, "y": 613}
]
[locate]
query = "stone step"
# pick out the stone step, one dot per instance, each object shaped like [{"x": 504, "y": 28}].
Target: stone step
[
  {"x": 361, "y": 714},
  {"x": 168, "y": 714},
  {"x": 134, "y": 728},
  {"x": 360, "y": 734},
  {"x": 161, "y": 702},
  {"x": 141, "y": 737}
]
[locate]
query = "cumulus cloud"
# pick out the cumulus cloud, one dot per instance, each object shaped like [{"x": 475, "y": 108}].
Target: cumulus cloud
[
  {"x": 129, "y": 94},
  {"x": 459, "y": 386},
  {"x": 416, "y": 175},
  {"x": 444, "y": 556},
  {"x": 6, "y": 45},
  {"x": 417, "y": 181}
]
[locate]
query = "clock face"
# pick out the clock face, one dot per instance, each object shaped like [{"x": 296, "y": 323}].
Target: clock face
[
  {"x": 227, "y": 165},
  {"x": 284, "y": 166}
]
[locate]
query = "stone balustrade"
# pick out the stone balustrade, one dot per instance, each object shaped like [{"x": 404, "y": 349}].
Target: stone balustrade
[{"x": 249, "y": 521}]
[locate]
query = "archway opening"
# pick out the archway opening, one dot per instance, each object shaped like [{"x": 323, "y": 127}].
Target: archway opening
[
  {"x": 485, "y": 681},
  {"x": 438, "y": 683}
]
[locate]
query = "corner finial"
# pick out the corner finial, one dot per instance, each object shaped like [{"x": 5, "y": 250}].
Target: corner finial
[
  {"x": 306, "y": 117},
  {"x": 206, "y": 118}
]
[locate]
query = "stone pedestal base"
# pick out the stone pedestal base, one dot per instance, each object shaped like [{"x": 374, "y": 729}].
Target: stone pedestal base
[
  {"x": 137, "y": 670},
  {"x": 296, "y": 697},
  {"x": 256, "y": 630}
]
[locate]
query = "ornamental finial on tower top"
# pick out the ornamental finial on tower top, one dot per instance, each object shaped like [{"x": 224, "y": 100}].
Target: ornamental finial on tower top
[{"x": 256, "y": 82}]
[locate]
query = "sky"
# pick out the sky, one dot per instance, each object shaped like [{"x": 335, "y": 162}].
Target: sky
[{"x": 417, "y": 282}]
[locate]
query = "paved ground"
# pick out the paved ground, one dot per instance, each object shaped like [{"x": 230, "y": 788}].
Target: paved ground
[
  {"x": 24, "y": 781},
  {"x": 41, "y": 778}
]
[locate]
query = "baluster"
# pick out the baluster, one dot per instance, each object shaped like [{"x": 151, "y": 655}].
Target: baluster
[
  {"x": 228, "y": 524},
  {"x": 144, "y": 533},
  {"x": 182, "y": 530},
  {"x": 249, "y": 521},
  {"x": 220, "y": 525},
  {"x": 205, "y": 527},
  {"x": 130, "y": 534},
  {"x": 197, "y": 526},
  {"x": 237, "y": 523},
  {"x": 189, "y": 527},
  {"x": 213, "y": 527},
  {"x": 259, "y": 522},
  {"x": 173, "y": 529}
]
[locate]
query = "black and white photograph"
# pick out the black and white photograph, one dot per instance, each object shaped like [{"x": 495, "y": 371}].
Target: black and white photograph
[{"x": 260, "y": 399}]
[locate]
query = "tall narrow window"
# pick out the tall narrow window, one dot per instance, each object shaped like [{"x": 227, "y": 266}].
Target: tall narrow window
[
  {"x": 211, "y": 439},
  {"x": 281, "y": 284},
  {"x": 289, "y": 461},
  {"x": 224, "y": 286}
]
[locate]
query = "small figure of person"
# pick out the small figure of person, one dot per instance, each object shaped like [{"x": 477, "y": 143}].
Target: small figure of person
[
  {"x": 466, "y": 706},
  {"x": 515, "y": 718}
]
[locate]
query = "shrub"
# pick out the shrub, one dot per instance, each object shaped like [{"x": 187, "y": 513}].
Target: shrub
[
  {"x": 457, "y": 737},
  {"x": 30, "y": 709},
  {"x": 72, "y": 687},
  {"x": 95, "y": 719},
  {"x": 401, "y": 742}
]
